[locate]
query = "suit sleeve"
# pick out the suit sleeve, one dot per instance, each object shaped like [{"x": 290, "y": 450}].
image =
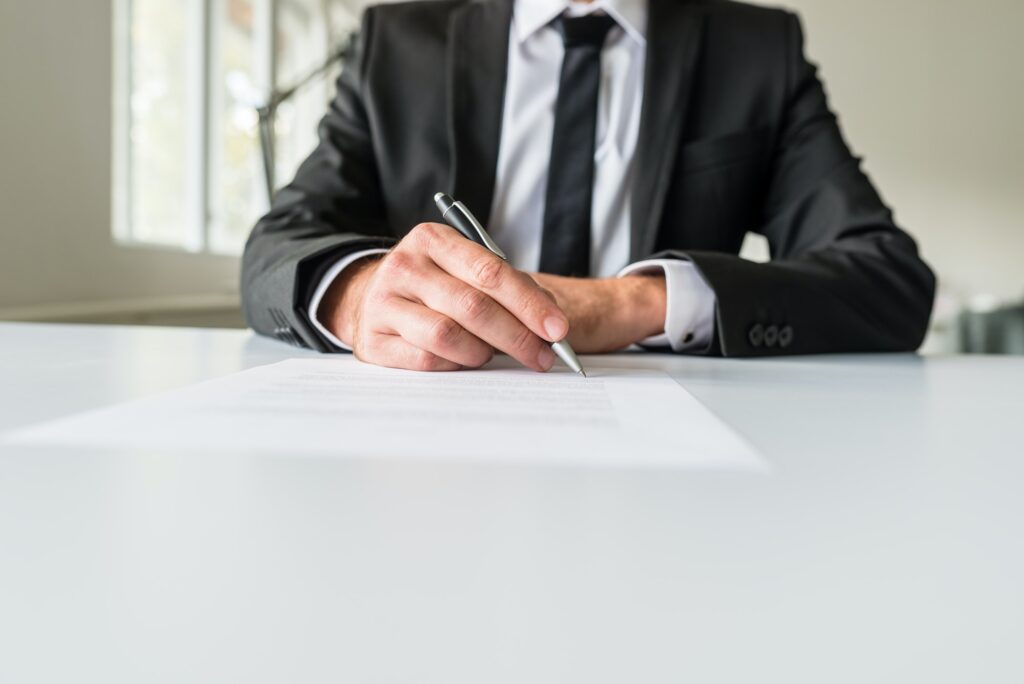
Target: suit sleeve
[
  {"x": 844, "y": 277},
  {"x": 332, "y": 208}
]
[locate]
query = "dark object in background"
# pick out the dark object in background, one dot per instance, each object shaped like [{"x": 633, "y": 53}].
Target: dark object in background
[{"x": 992, "y": 332}]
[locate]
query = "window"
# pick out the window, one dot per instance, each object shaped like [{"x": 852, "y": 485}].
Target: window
[{"x": 189, "y": 77}]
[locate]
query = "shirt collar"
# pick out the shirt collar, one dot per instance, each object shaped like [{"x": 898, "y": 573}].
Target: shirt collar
[{"x": 530, "y": 16}]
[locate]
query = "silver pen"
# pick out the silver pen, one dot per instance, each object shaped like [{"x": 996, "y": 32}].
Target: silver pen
[{"x": 461, "y": 219}]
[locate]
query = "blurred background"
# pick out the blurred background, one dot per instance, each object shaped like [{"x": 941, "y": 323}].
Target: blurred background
[{"x": 131, "y": 167}]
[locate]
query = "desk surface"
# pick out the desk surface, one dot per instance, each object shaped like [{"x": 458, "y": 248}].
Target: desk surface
[{"x": 887, "y": 544}]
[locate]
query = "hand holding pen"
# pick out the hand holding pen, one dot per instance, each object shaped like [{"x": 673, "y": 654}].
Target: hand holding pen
[
  {"x": 460, "y": 218},
  {"x": 437, "y": 301}
]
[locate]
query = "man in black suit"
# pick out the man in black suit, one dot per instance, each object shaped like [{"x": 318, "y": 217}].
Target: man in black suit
[{"x": 619, "y": 150}]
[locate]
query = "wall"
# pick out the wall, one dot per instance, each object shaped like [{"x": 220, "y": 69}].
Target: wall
[
  {"x": 931, "y": 93},
  {"x": 55, "y": 174}
]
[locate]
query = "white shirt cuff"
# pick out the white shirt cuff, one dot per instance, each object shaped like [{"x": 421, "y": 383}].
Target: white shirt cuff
[
  {"x": 325, "y": 284},
  {"x": 689, "y": 305}
]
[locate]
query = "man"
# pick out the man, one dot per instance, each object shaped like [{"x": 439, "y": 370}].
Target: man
[{"x": 618, "y": 151}]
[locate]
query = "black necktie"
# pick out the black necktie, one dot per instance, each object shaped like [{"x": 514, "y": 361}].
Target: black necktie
[{"x": 565, "y": 247}]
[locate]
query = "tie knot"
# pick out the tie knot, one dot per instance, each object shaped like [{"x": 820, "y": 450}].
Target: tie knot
[{"x": 589, "y": 30}]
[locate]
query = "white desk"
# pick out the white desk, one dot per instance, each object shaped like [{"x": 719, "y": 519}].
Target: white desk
[{"x": 886, "y": 546}]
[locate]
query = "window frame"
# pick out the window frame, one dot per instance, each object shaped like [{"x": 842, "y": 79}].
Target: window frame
[{"x": 197, "y": 234}]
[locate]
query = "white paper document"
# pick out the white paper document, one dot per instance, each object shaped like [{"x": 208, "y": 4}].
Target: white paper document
[{"x": 339, "y": 406}]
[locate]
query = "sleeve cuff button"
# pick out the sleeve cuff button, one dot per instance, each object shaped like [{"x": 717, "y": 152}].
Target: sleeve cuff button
[
  {"x": 786, "y": 336},
  {"x": 756, "y": 335}
]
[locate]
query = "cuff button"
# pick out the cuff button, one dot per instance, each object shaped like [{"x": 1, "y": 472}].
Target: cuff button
[
  {"x": 786, "y": 336},
  {"x": 756, "y": 335}
]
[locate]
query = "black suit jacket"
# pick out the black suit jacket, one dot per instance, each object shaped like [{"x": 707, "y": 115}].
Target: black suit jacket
[{"x": 735, "y": 135}]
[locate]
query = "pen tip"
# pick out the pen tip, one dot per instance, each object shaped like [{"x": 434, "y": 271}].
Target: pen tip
[{"x": 582, "y": 372}]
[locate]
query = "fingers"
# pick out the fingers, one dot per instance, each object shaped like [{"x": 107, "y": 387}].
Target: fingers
[
  {"x": 482, "y": 270},
  {"x": 440, "y": 302},
  {"x": 391, "y": 351},
  {"x": 435, "y": 333},
  {"x": 481, "y": 316}
]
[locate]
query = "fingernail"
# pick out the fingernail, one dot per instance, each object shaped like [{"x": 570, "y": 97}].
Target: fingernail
[
  {"x": 546, "y": 358},
  {"x": 556, "y": 328}
]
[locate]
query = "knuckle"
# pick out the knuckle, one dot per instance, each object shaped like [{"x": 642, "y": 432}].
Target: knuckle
[
  {"x": 473, "y": 304},
  {"x": 523, "y": 342},
  {"x": 532, "y": 306},
  {"x": 424, "y": 234},
  {"x": 550, "y": 301},
  {"x": 444, "y": 333},
  {"x": 484, "y": 357},
  {"x": 488, "y": 271},
  {"x": 397, "y": 263},
  {"x": 423, "y": 229},
  {"x": 425, "y": 361}
]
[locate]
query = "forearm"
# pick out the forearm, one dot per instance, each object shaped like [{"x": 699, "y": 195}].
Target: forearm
[
  {"x": 843, "y": 276},
  {"x": 280, "y": 273},
  {"x": 608, "y": 314},
  {"x": 875, "y": 296}
]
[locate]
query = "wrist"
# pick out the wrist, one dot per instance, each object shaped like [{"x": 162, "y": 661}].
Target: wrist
[
  {"x": 339, "y": 309},
  {"x": 645, "y": 304}
]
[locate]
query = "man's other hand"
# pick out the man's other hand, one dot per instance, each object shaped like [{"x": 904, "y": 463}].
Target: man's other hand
[
  {"x": 608, "y": 314},
  {"x": 439, "y": 302}
]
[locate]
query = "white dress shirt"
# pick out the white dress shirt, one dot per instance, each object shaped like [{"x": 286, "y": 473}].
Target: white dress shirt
[{"x": 517, "y": 218}]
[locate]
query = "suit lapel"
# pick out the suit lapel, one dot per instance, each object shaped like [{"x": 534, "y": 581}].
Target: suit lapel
[
  {"x": 675, "y": 30},
  {"x": 477, "y": 69}
]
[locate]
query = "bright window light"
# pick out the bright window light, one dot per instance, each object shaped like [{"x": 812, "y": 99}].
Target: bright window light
[{"x": 189, "y": 76}]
